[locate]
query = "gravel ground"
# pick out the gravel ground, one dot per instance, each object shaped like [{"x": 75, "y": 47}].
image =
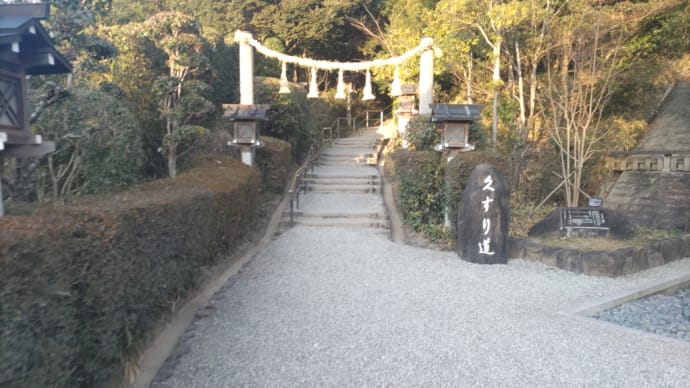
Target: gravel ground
[
  {"x": 667, "y": 315},
  {"x": 326, "y": 307}
]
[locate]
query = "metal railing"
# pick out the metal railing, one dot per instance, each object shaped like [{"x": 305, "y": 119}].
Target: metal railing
[
  {"x": 373, "y": 118},
  {"x": 298, "y": 183}
]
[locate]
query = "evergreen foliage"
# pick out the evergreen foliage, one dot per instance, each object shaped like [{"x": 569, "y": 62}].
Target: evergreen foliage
[{"x": 98, "y": 145}]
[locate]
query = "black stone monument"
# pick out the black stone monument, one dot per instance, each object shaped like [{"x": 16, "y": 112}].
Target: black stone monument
[{"x": 483, "y": 217}]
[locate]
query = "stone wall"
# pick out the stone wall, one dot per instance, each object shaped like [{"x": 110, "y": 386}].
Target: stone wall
[
  {"x": 659, "y": 199},
  {"x": 653, "y": 199},
  {"x": 620, "y": 262}
]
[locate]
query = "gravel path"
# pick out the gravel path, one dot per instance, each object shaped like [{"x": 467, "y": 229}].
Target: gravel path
[{"x": 332, "y": 307}]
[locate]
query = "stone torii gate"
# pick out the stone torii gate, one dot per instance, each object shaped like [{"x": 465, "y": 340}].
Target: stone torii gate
[{"x": 247, "y": 44}]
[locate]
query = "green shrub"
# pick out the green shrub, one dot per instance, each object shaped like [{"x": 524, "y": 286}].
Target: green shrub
[
  {"x": 81, "y": 285},
  {"x": 274, "y": 161},
  {"x": 98, "y": 141},
  {"x": 419, "y": 178},
  {"x": 421, "y": 134},
  {"x": 294, "y": 117}
]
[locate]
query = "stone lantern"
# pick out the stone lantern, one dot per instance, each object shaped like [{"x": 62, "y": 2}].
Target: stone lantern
[
  {"x": 25, "y": 49},
  {"x": 246, "y": 127},
  {"x": 455, "y": 121},
  {"x": 406, "y": 109}
]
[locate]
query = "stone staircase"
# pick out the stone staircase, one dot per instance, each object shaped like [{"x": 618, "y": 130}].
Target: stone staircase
[{"x": 344, "y": 189}]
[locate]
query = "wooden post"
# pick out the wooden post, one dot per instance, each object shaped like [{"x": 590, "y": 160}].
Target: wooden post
[{"x": 426, "y": 77}]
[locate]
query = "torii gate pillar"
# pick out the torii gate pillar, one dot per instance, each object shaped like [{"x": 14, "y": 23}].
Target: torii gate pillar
[
  {"x": 426, "y": 77},
  {"x": 246, "y": 84},
  {"x": 246, "y": 68}
]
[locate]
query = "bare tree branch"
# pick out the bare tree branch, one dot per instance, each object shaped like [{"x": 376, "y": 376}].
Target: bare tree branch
[{"x": 377, "y": 32}]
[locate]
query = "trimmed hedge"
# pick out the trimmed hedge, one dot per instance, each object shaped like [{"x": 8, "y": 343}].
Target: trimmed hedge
[
  {"x": 420, "y": 182},
  {"x": 81, "y": 285}
]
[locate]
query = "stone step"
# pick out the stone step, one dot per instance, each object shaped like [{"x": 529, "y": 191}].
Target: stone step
[
  {"x": 338, "y": 215},
  {"x": 340, "y": 219},
  {"x": 356, "y": 158},
  {"x": 320, "y": 188},
  {"x": 343, "y": 223},
  {"x": 364, "y": 177},
  {"x": 343, "y": 182},
  {"x": 359, "y": 162},
  {"x": 362, "y": 143},
  {"x": 346, "y": 155}
]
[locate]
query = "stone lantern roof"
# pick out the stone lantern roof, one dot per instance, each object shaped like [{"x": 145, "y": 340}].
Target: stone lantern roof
[
  {"x": 25, "y": 42},
  {"x": 258, "y": 112},
  {"x": 441, "y": 113}
]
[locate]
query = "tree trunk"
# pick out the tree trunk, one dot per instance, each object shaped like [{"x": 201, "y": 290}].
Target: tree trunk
[
  {"x": 496, "y": 87},
  {"x": 468, "y": 78},
  {"x": 172, "y": 159}
]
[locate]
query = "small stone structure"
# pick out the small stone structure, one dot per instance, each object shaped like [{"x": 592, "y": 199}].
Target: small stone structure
[{"x": 483, "y": 217}]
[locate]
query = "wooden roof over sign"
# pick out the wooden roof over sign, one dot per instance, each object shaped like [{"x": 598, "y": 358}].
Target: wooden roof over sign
[
  {"x": 24, "y": 41},
  {"x": 246, "y": 112},
  {"x": 455, "y": 112}
]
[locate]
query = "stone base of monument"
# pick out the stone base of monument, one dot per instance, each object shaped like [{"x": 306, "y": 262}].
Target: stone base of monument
[
  {"x": 595, "y": 222},
  {"x": 619, "y": 262}
]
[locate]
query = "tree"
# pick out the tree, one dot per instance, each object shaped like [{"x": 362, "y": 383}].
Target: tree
[
  {"x": 529, "y": 47},
  {"x": 313, "y": 28},
  {"x": 181, "y": 94},
  {"x": 494, "y": 19},
  {"x": 407, "y": 25},
  {"x": 586, "y": 59},
  {"x": 74, "y": 25},
  {"x": 459, "y": 44}
]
